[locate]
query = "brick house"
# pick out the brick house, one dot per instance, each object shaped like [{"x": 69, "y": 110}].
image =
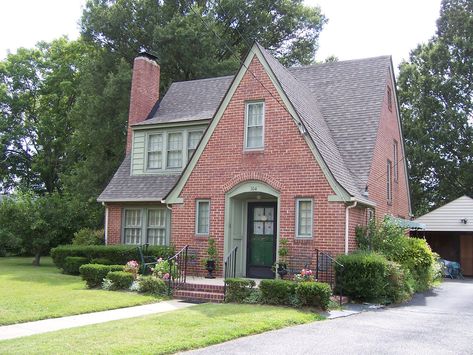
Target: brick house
[{"x": 304, "y": 153}]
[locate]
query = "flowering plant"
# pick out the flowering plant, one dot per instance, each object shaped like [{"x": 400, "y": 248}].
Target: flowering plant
[
  {"x": 305, "y": 275},
  {"x": 132, "y": 267},
  {"x": 161, "y": 270}
]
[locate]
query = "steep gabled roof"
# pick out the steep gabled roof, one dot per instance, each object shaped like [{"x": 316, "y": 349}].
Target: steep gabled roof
[
  {"x": 190, "y": 101},
  {"x": 305, "y": 104},
  {"x": 350, "y": 95},
  {"x": 126, "y": 187}
]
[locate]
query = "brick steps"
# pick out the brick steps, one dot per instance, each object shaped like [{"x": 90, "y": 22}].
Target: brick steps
[{"x": 200, "y": 293}]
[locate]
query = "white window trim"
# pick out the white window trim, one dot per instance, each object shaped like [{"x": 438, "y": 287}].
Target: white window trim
[
  {"x": 297, "y": 218},
  {"x": 188, "y": 133},
  {"x": 389, "y": 181},
  {"x": 183, "y": 150},
  {"x": 197, "y": 203},
  {"x": 245, "y": 141},
  {"x": 144, "y": 223}
]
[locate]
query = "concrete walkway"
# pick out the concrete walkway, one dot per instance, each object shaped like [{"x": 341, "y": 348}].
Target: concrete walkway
[{"x": 50, "y": 325}]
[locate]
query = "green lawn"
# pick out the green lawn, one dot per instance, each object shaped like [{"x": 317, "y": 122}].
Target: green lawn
[
  {"x": 185, "y": 329},
  {"x": 31, "y": 293}
]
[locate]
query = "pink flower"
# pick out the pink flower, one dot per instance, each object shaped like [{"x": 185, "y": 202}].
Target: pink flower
[{"x": 166, "y": 276}]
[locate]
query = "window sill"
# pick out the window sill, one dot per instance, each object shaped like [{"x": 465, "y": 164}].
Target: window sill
[{"x": 201, "y": 235}]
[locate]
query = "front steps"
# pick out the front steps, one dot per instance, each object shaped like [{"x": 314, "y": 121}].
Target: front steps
[{"x": 200, "y": 293}]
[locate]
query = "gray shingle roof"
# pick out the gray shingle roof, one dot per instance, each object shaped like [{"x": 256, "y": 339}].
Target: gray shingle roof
[
  {"x": 339, "y": 104},
  {"x": 124, "y": 187},
  {"x": 190, "y": 100}
]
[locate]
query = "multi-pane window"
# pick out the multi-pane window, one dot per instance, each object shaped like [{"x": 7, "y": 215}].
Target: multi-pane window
[
  {"x": 304, "y": 218},
  {"x": 202, "y": 218},
  {"x": 145, "y": 225},
  {"x": 254, "y": 122},
  {"x": 390, "y": 98},
  {"x": 132, "y": 226},
  {"x": 193, "y": 139},
  {"x": 389, "y": 179},
  {"x": 396, "y": 160},
  {"x": 156, "y": 226},
  {"x": 174, "y": 150},
  {"x": 155, "y": 151}
]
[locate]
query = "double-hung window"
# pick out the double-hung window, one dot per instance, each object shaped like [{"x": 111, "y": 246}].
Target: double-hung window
[
  {"x": 155, "y": 151},
  {"x": 202, "y": 218},
  {"x": 132, "y": 226},
  {"x": 156, "y": 226},
  {"x": 254, "y": 125},
  {"x": 396, "y": 161},
  {"x": 193, "y": 139},
  {"x": 304, "y": 217},
  {"x": 174, "y": 150},
  {"x": 389, "y": 179}
]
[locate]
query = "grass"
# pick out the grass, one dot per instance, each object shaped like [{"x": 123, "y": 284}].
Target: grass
[
  {"x": 164, "y": 333},
  {"x": 32, "y": 293}
]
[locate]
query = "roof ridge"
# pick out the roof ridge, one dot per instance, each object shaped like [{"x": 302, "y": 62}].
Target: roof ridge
[
  {"x": 204, "y": 79},
  {"x": 338, "y": 62}
]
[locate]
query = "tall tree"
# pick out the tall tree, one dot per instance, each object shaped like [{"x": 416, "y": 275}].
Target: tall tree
[
  {"x": 37, "y": 92},
  {"x": 436, "y": 97}
]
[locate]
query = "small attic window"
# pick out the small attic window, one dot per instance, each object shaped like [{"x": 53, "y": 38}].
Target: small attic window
[{"x": 390, "y": 98}]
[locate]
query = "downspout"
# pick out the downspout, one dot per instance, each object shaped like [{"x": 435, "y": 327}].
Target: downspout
[
  {"x": 347, "y": 221},
  {"x": 106, "y": 223}
]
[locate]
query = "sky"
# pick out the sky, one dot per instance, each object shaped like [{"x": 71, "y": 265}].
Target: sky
[{"x": 356, "y": 29}]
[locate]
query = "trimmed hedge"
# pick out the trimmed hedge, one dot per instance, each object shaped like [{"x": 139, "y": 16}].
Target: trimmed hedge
[
  {"x": 278, "y": 292},
  {"x": 363, "y": 276},
  {"x": 73, "y": 263},
  {"x": 121, "y": 280},
  {"x": 101, "y": 261},
  {"x": 238, "y": 290},
  {"x": 116, "y": 254},
  {"x": 152, "y": 285},
  {"x": 313, "y": 294},
  {"x": 93, "y": 274}
]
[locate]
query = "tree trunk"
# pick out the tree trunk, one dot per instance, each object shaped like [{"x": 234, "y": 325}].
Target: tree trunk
[{"x": 37, "y": 256}]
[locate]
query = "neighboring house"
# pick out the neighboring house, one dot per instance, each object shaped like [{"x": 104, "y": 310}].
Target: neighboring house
[
  {"x": 304, "y": 153},
  {"x": 449, "y": 232}
]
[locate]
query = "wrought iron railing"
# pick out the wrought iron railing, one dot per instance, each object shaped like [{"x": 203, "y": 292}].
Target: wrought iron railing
[
  {"x": 325, "y": 271},
  {"x": 177, "y": 269},
  {"x": 229, "y": 268}
]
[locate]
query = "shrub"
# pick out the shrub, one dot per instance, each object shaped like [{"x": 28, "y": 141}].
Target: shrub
[
  {"x": 152, "y": 285},
  {"x": 277, "y": 292},
  {"x": 73, "y": 263},
  {"x": 313, "y": 294},
  {"x": 238, "y": 290},
  {"x": 93, "y": 274},
  {"x": 102, "y": 261},
  {"x": 363, "y": 276},
  {"x": 87, "y": 236},
  {"x": 400, "y": 285},
  {"x": 117, "y": 254},
  {"x": 121, "y": 280}
]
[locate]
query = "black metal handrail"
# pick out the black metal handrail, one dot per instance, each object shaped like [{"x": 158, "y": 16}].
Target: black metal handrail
[
  {"x": 229, "y": 268},
  {"x": 324, "y": 271},
  {"x": 177, "y": 269}
]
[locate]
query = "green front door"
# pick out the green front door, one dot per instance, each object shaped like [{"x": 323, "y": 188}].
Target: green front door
[{"x": 261, "y": 253}]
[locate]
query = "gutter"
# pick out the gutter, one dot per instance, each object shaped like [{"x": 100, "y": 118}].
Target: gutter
[{"x": 347, "y": 221}]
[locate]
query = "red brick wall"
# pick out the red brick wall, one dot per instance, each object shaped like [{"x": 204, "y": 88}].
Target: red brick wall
[
  {"x": 144, "y": 92},
  {"x": 388, "y": 131},
  {"x": 114, "y": 223},
  {"x": 287, "y": 164}
]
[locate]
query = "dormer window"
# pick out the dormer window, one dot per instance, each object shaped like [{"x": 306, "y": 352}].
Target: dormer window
[
  {"x": 193, "y": 139},
  {"x": 155, "y": 151},
  {"x": 254, "y": 125},
  {"x": 174, "y": 150}
]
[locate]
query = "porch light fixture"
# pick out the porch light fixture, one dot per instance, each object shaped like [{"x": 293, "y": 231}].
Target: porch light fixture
[{"x": 464, "y": 220}]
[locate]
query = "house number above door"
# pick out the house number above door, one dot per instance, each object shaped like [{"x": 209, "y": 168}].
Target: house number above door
[{"x": 253, "y": 188}]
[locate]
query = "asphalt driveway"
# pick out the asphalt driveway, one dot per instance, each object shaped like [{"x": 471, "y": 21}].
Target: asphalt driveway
[{"x": 437, "y": 322}]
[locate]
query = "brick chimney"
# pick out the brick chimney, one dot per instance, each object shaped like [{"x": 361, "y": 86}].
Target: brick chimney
[{"x": 144, "y": 91}]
